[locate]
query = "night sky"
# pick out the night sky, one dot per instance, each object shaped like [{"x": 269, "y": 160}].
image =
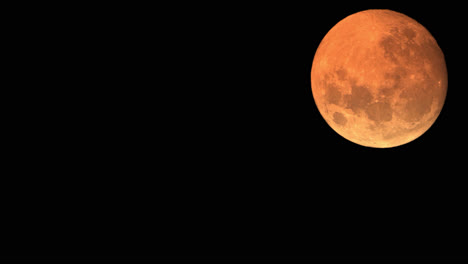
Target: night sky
[{"x": 190, "y": 132}]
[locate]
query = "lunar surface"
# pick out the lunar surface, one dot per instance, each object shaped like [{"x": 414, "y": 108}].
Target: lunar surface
[{"x": 379, "y": 78}]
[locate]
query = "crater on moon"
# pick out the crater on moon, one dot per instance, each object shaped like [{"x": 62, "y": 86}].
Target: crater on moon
[
  {"x": 341, "y": 74},
  {"x": 339, "y": 118},
  {"x": 409, "y": 33},
  {"x": 359, "y": 98},
  {"x": 418, "y": 103},
  {"x": 333, "y": 94},
  {"x": 379, "y": 112}
]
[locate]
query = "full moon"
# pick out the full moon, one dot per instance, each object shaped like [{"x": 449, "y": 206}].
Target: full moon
[{"x": 379, "y": 78}]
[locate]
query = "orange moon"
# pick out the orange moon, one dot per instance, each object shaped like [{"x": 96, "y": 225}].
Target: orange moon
[{"x": 379, "y": 78}]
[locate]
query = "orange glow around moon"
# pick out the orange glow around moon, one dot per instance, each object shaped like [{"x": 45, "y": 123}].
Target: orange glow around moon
[{"x": 379, "y": 78}]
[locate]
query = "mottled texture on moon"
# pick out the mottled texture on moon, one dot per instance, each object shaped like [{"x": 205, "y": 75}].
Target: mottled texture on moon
[{"x": 379, "y": 78}]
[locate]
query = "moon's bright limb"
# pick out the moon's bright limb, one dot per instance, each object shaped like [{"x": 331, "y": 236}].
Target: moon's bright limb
[{"x": 379, "y": 78}]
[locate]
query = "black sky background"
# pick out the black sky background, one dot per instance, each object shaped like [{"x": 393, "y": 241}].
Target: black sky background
[{"x": 190, "y": 132}]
